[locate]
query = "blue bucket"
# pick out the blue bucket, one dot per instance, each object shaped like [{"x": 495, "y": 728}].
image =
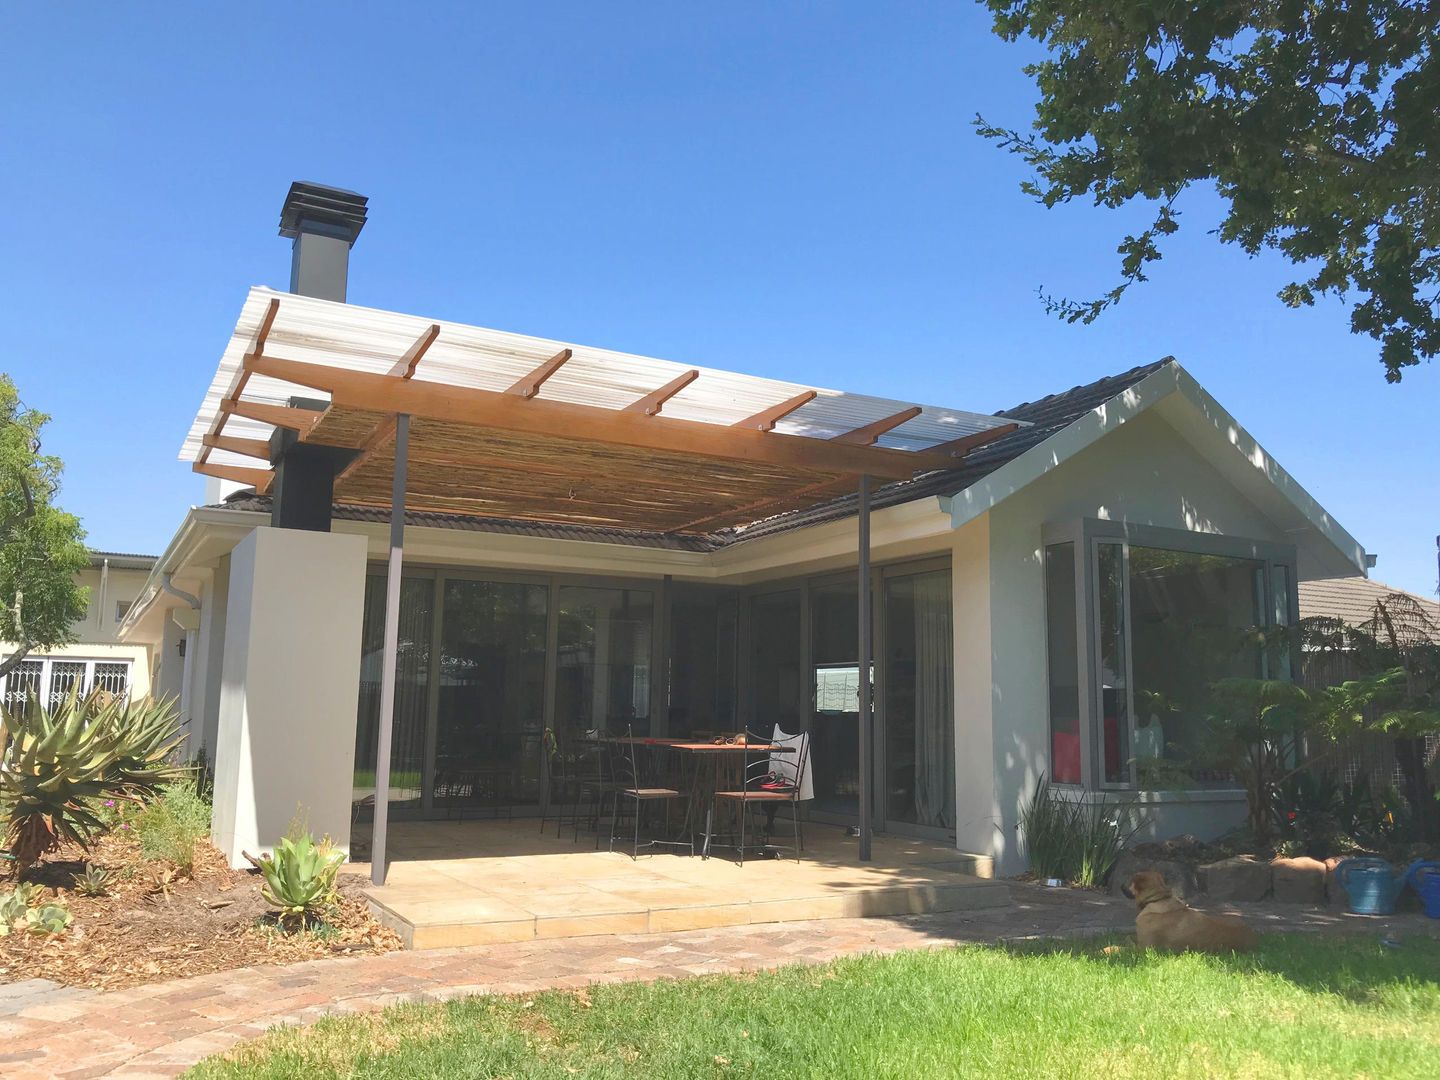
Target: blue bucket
[
  {"x": 1424, "y": 878},
  {"x": 1370, "y": 885}
]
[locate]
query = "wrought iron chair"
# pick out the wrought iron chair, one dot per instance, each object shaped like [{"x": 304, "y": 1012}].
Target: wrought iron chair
[
  {"x": 767, "y": 784},
  {"x": 631, "y": 792}
]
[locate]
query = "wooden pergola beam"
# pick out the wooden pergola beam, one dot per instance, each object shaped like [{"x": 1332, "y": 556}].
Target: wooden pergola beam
[
  {"x": 958, "y": 448},
  {"x": 285, "y": 416},
  {"x": 567, "y": 421},
  {"x": 256, "y": 448},
  {"x": 257, "y": 345},
  {"x": 766, "y": 419},
  {"x": 866, "y": 436},
  {"x": 652, "y": 402},
  {"x": 405, "y": 366},
  {"x": 530, "y": 385},
  {"x": 259, "y": 479}
]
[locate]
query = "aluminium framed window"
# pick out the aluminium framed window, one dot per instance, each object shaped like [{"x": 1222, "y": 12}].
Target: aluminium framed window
[
  {"x": 1139, "y": 620},
  {"x": 54, "y": 677}
]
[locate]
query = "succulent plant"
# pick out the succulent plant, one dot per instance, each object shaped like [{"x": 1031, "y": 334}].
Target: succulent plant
[
  {"x": 60, "y": 764},
  {"x": 300, "y": 878},
  {"x": 95, "y": 881},
  {"x": 48, "y": 918}
]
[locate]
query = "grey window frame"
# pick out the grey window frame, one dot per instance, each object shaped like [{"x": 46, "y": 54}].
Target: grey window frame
[{"x": 1087, "y": 534}]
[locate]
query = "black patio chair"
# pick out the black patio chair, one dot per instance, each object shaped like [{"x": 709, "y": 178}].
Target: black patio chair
[
  {"x": 769, "y": 783},
  {"x": 633, "y": 792}
]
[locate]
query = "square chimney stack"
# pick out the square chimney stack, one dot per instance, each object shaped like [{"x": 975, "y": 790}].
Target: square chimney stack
[{"x": 324, "y": 222}]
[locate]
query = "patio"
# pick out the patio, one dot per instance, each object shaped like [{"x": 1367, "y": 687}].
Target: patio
[{"x": 482, "y": 882}]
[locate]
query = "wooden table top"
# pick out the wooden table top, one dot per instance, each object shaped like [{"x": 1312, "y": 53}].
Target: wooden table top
[{"x": 685, "y": 746}]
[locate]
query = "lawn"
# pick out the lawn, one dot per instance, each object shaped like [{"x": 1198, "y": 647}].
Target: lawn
[{"x": 1301, "y": 1006}]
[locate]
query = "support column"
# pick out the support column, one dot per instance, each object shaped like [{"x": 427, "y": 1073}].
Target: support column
[
  {"x": 867, "y": 690},
  {"x": 285, "y": 739},
  {"x": 391, "y": 647}
]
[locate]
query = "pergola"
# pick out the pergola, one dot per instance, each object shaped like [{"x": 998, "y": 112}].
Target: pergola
[{"x": 454, "y": 439}]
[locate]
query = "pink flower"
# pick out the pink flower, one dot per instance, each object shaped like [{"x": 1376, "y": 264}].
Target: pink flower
[
  {"x": 124, "y": 826},
  {"x": 109, "y": 802}
]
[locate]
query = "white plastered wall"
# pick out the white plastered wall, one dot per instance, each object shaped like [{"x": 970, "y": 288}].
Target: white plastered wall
[
  {"x": 1141, "y": 473},
  {"x": 286, "y": 728}
]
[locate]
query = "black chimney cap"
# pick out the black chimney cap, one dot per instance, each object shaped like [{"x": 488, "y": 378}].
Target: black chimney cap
[{"x": 322, "y": 204}]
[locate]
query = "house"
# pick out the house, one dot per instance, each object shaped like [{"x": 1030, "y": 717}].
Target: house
[
  {"x": 98, "y": 659},
  {"x": 590, "y": 539},
  {"x": 1353, "y": 600}
]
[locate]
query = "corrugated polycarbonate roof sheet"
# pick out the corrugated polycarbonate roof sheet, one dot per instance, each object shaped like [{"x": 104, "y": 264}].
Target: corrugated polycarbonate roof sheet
[{"x": 370, "y": 340}]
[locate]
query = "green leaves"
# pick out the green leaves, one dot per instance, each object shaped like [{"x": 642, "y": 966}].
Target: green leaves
[
  {"x": 59, "y": 765},
  {"x": 1316, "y": 123},
  {"x": 300, "y": 877}
]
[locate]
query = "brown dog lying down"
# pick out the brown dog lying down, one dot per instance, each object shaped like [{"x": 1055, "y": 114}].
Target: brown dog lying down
[{"x": 1165, "y": 922}]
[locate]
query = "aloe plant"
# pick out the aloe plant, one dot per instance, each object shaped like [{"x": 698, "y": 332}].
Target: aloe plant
[
  {"x": 95, "y": 881},
  {"x": 58, "y": 765},
  {"x": 300, "y": 878}
]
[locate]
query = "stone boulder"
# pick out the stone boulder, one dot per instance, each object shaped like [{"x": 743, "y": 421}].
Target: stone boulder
[
  {"x": 1240, "y": 878},
  {"x": 1299, "y": 881},
  {"x": 1180, "y": 876}
]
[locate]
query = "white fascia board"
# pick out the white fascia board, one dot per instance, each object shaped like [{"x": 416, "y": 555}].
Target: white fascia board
[
  {"x": 1170, "y": 381},
  {"x": 203, "y": 527}
]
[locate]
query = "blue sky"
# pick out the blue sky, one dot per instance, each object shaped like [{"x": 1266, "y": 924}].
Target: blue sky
[{"x": 791, "y": 189}]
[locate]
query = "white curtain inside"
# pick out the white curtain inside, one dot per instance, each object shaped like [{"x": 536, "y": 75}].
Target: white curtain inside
[{"x": 934, "y": 771}]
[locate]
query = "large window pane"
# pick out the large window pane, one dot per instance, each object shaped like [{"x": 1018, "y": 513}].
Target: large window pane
[
  {"x": 1190, "y": 616},
  {"x": 412, "y": 688},
  {"x": 835, "y": 727},
  {"x": 492, "y": 693},
  {"x": 1064, "y": 663},
  {"x": 603, "y": 673},
  {"x": 1114, "y": 664},
  {"x": 919, "y": 700},
  {"x": 702, "y": 661},
  {"x": 776, "y": 683}
]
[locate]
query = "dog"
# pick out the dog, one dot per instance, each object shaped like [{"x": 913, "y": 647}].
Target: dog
[{"x": 1165, "y": 922}]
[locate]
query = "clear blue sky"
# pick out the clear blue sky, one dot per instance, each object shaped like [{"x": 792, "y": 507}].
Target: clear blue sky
[{"x": 793, "y": 189}]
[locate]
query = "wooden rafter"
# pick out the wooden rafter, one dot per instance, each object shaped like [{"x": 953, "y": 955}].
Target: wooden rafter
[
  {"x": 285, "y": 416},
  {"x": 766, "y": 419},
  {"x": 866, "y": 436},
  {"x": 652, "y": 402},
  {"x": 259, "y": 479},
  {"x": 257, "y": 345},
  {"x": 405, "y": 366},
  {"x": 958, "y": 448},
  {"x": 564, "y": 420},
  {"x": 256, "y": 448},
  {"x": 530, "y": 385},
  {"x": 381, "y": 437}
]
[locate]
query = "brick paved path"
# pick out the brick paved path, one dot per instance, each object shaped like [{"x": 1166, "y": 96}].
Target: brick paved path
[{"x": 161, "y": 1029}]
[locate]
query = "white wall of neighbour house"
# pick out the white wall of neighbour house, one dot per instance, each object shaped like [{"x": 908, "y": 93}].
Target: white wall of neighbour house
[
  {"x": 286, "y": 729},
  {"x": 1141, "y": 473},
  {"x": 96, "y": 637}
]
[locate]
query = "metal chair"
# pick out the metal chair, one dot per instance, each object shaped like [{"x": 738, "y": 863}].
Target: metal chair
[
  {"x": 767, "y": 784},
  {"x": 631, "y": 791}
]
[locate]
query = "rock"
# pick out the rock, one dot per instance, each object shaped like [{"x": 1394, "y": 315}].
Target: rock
[
  {"x": 1240, "y": 878},
  {"x": 1179, "y": 876},
  {"x": 1298, "y": 881}
]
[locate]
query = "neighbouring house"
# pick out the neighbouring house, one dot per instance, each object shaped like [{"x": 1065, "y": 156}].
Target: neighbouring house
[
  {"x": 1353, "y": 600},
  {"x": 594, "y": 540},
  {"x": 99, "y": 659}
]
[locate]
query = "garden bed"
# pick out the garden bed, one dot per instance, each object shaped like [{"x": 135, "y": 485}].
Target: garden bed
[{"x": 152, "y": 925}]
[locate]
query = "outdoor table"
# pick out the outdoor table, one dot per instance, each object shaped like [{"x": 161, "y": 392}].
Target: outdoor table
[{"x": 709, "y": 761}]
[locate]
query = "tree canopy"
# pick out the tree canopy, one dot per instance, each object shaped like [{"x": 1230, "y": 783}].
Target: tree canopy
[
  {"x": 41, "y": 546},
  {"x": 1315, "y": 120}
]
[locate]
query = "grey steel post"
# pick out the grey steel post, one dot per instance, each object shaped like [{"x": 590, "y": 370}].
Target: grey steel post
[
  {"x": 867, "y": 698},
  {"x": 391, "y": 647}
]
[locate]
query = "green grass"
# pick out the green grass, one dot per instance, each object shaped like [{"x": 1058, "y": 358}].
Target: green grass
[{"x": 1299, "y": 1007}]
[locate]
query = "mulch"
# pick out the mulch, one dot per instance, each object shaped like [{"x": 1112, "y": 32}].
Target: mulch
[{"x": 154, "y": 925}]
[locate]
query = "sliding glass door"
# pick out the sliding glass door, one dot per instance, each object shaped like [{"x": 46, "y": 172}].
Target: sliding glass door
[
  {"x": 491, "y": 707},
  {"x": 918, "y": 701},
  {"x": 412, "y": 690},
  {"x": 603, "y": 662},
  {"x": 835, "y": 697}
]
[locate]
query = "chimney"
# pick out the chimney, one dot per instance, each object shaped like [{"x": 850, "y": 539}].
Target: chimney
[{"x": 324, "y": 222}]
